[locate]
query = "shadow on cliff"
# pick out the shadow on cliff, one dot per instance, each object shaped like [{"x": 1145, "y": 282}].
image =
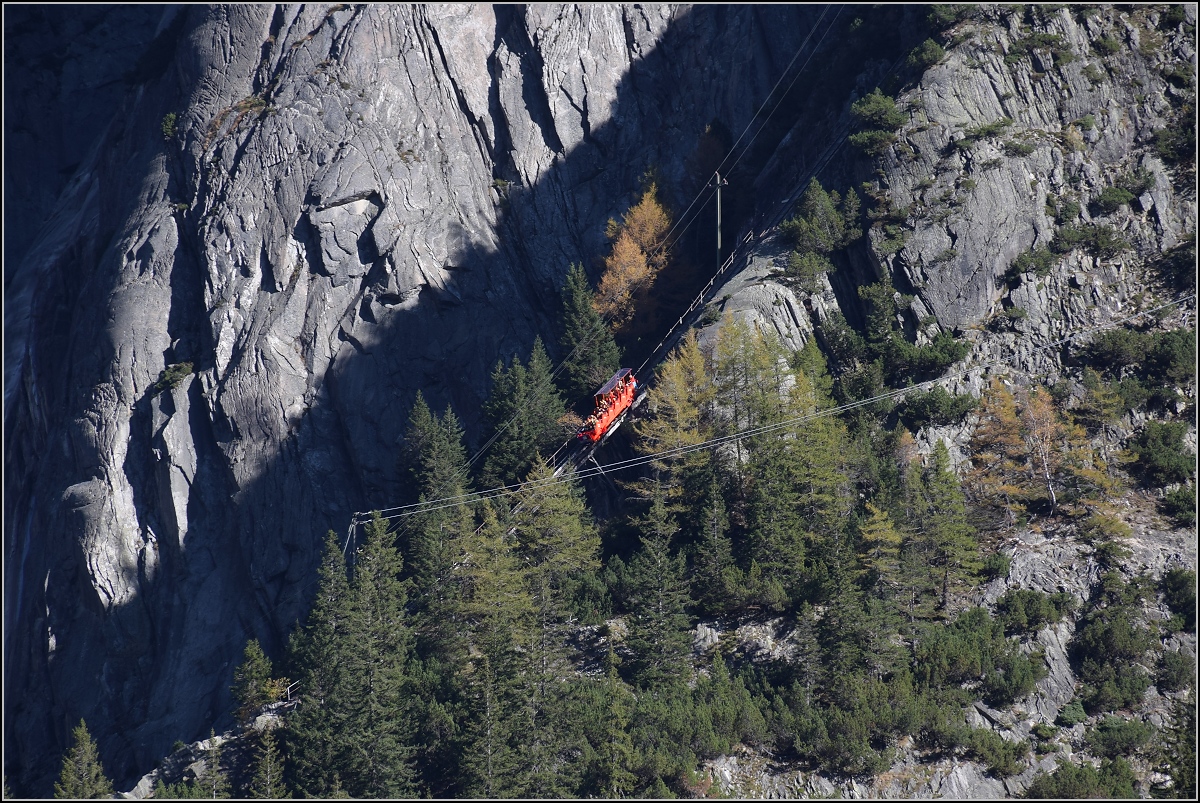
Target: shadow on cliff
[{"x": 261, "y": 544}]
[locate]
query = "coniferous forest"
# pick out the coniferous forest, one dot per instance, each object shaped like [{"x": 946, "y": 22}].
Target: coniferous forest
[{"x": 520, "y": 645}]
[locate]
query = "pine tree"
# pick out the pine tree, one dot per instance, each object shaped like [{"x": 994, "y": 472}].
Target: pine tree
[
  {"x": 545, "y": 408},
  {"x": 953, "y": 548},
  {"x": 82, "y": 776},
  {"x": 419, "y": 438},
  {"x": 592, "y": 356},
  {"x": 879, "y": 550},
  {"x": 267, "y": 783},
  {"x": 717, "y": 582},
  {"x": 315, "y": 730},
  {"x": 377, "y": 651},
  {"x": 522, "y": 417},
  {"x": 499, "y": 614},
  {"x": 556, "y": 543},
  {"x": 615, "y": 753},
  {"x": 659, "y": 627},
  {"x": 215, "y": 781},
  {"x": 252, "y": 681}
]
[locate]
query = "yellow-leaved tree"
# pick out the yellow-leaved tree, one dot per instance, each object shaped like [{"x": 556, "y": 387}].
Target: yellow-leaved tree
[{"x": 639, "y": 252}]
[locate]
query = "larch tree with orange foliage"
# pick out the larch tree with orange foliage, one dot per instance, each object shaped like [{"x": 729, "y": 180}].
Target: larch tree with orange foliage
[{"x": 638, "y": 254}]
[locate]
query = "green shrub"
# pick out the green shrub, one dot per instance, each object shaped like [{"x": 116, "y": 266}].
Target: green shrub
[
  {"x": 1106, "y": 46},
  {"x": 1178, "y": 587},
  {"x": 1176, "y": 143},
  {"x": 1044, "y": 731},
  {"x": 1097, "y": 240},
  {"x": 805, "y": 268},
  {"x": 1013, "y": 676},
  {"x": 1160, "y": 453},
  {"x": 1180, "y": 506},
  {"x": 1003, "y": 758},
  {"x": 1071, "y": 714},
  {"x": 1115, "y": 737},
  {"x": 925, "y": 55},
  {"x": 945, "y": 15},
  {"x": 1110, "y": 554},
  {"x": 1066, "y": 211},
  {"x": 1114, "y": 779},
  {"x": 1176, "y": 671},
  {"x": 1016, "y": 148},
  {"x": 996, "y": 565},
  {"x": 168, "y": 126},
  {"x": 874, "y": 143},
  {"x": 991, "y": 129},
  {"x": 1093, "y": 74},
  {"x": 877, "y": 110},
  {"x": 1138, "y": 182},
  {"x": 172, "y": 375},
  {"x": 1107, "y": 646},
  {"x": 1026, "y": 611},
  {"x": 1111, "y": 199},
  {"x": 936, "y": 406},
  {"x": 1039, "y": 260},
  {"x": 1118, "y": 348},
  {"x": 1103, "y": 527},
  {"x": 1171, "y": 17},
  {"x": 1172, "y": 357}
]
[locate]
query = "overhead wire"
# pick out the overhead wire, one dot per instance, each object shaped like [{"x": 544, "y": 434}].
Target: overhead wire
[
  {"x": 892, "y": 394},
  {"x": 604, "y": 320}
]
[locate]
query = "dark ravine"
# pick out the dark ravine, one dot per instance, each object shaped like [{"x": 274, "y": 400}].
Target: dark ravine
[{"x": 358, "y": 202}]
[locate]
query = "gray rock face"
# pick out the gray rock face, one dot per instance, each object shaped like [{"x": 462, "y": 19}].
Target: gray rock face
[{"x": 356, "y": 202}]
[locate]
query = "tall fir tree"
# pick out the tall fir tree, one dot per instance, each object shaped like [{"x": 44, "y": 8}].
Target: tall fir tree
[
  {"x": 615, "y": 752},
  {"x": 556, "y": 543},
  {"x": 215, "y": 780},
  {"x": 82, "y": 776},
  {"x": 591, "y": 354},
  {"x": 500, "y": 616},
  {"x": 267, "y": 783},
  {"x": 315, "y": 730},
  {"x": 252, "y": 686},
  {"x": 659, "y": 628},
  {"x": 522, "y": 418},
  {"x": 377, "y": 653},
  {"x": 717, "y": 582},
  {"x": 952, "y": 548}
]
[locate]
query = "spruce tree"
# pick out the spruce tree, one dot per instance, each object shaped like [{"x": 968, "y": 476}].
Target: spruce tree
[
  {"x": 500, "y": 616},
  {"x": 716, "y": 580},
  {"x": 215, "y": 781},
  {"x": 82, "y": 776},
  {"x": 591, "y": 354},
  {"x": 267, "y": 783},
  {"x": 556, "y": 542},
  {"x": 376, "y": 654},
  {"x": 522, "y": 418},
  {"x": 315, "y": 729},
  {"x": 952, "y": 544},
  {"x": 615, "y": 752},
  {"x": 659, "y": 628},
  {"x": 252, "y": 681}
]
